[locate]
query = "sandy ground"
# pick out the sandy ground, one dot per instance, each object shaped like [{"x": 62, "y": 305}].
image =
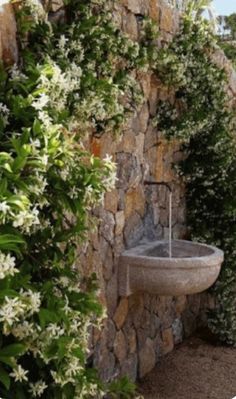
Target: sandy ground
[{"x": 194, "y": 370}]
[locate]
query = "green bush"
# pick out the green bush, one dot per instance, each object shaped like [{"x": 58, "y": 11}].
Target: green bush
[
  {"x": 202, "y": 119},
  {"x": 71, "y": 81}
]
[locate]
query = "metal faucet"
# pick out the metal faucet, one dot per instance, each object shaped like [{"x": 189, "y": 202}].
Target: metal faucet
[{"x": 161, "y": 183}]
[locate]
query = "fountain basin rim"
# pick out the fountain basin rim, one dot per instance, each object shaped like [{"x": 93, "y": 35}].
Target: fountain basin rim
[{"x": 131, "y": 255}]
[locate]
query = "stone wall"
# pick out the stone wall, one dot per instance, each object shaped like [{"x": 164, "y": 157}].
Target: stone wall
[
  {"x": 8, "y": 46},
  {"x": 142, "y": 328}
]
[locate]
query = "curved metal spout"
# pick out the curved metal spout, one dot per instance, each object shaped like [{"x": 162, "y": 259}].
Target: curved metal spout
[{"x": 161, "y": 183}]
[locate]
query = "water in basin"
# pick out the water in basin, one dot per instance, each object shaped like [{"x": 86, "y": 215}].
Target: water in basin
[{"x": 179, "y": 250}]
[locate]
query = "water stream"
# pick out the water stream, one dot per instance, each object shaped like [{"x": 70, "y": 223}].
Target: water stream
[{"x": 170, "y": 224}]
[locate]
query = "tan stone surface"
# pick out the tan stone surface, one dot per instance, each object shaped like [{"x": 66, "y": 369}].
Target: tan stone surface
[
  {"x": 8, "y": 45},
  {"x": 135, "y": 201},
  {"x": 143, "y": 118},
  {"x": 132, "y": 5},
  {"x": 130, "y": 26},
  {"x": 127, "y": 143},
  {"x": 139, "y": 147},
  {"x": 111, "y": 201},
  {"x": 181, "y": 303},
  {"x": 154, "y": 10},
  {"x": 121, "y": 313},
  {"x": 164, "y": 164},
  {"x": 166, "y": 23},
  {"x": 168, "y": 341},
  {"x": 120, "y": 346},
  {"x": 132, "y": 341},
  {"x": 147, "y": 358},
  {"x": 145, "y": 81},
  {"x": 120, "y": 222}
]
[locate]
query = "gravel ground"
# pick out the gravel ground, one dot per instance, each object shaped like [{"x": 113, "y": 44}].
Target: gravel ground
[{"x": 196, "y": 369}]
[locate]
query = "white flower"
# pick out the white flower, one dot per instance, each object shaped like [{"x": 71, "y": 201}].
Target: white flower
[
  {"x": 35, "y": 144},
  {"x": 12, "y": 310},
  {"x": 44, "y": 159},
  {"x": 7, "y": 265},
  {"x": 40, "y": 102},
  {"x": 45, "y": 119},
  {"x": 38, "y": 388},
  {"x": 34, "y": 299},
  {"x": 19, "y": 374},
  {"x": 65, "y": 173},
  {"x": 39, "y": 186},
  {"x": 23, "y": 330},
  {"x": 36, "y": 9},
  {"x": 16, "y": 74},
  {"x": 4, "y": 112},
  {"x": 62, "y": 43},
  {"x": 26, "y": 219},
  {"x": 55, "y": 330},
  {"x": 58, "y": 379},
  {"x": 74, "y": 367},
  {"x": 4, "y": 208}
]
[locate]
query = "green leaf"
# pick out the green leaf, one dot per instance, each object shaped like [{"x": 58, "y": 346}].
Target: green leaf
[
  {"x": 10, "y": 242},
  {"x": 36, "y": 127},
  {"x": 9, "y": 293},
  {"x": 13, "y": 350},
  {"x": 3, "y": 186},
  {"x": 4, "y": 378},
  {"x": 19, "y": 163},
  {"x": 46, "y": 317},
  {"x": 9, "y": 361}
]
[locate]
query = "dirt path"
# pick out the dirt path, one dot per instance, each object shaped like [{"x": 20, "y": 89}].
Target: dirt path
[{"x": 195, "y": 370}]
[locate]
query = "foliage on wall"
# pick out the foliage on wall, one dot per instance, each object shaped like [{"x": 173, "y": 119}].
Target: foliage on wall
[
  {"x": 202, "y": 119},
  {"x": 74, "y": 77},
  {"x": 229, "y": 49}
]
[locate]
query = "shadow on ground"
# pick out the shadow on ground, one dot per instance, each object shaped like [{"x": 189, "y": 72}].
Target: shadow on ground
[{"x": 196, "y": 369}]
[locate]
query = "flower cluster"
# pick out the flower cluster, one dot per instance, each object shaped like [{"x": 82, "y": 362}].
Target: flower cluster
[{"x": 74, "y": 78}]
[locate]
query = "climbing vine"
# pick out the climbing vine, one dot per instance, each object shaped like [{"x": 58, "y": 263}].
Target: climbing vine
[
  {"x": 77, "y": 77},
  {"x": 203, "y": 120},
  {"x": 74, "y": 78}
]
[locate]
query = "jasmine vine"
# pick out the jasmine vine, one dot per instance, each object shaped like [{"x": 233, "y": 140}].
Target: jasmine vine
[
  {"x": 203, "y": 120},
  {"x": 74, "y": 78}
]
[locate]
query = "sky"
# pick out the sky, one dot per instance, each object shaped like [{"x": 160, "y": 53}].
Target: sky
[{"x": 224, "y": 7}]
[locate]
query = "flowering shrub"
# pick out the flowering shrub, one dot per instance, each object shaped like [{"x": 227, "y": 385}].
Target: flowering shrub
[
  {"x": 73, "y": 79},
  {"x": 202, "y": 119}
]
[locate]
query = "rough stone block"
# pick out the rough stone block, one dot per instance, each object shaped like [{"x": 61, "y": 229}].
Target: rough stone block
[
  {"x": 129, "y": 171},
  {"x": 177, "y": 328},
  {"x": 8, "y": 44},
  {"x": 120, "y": 222},
  {"x": 135, "y": 201},
  {"x": 112, "y": 294},
  {"x": 120, "y": 346},
  {"x": 129, "y": 367},
  {"x": 111, "y": 201},
  {"x": 130, "y": 26},
  {"x": 121, "y": 313},
  {"x": 154, "y": 10},
  {"x": 107, "y": 227},
  {"x": 180, "y": 304},
  {"x": 147, "y": 358},
  {"x": 134, "y": 230},
  {"x": 168, "y": 341},
  {"x": 143, "y": 117}
]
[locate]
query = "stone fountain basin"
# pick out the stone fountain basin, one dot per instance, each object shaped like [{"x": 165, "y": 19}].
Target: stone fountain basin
[{"x": 192, "y": 269}]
